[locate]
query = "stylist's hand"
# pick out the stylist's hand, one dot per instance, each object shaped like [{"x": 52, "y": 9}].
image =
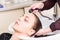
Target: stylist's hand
[
  {"x": 40, "y": 32},
  {"x": 38, "y": 5},
  {"x": 43, "y": 31}
]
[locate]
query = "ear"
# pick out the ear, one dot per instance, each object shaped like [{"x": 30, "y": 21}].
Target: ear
[{"x": 31, "y": 32}]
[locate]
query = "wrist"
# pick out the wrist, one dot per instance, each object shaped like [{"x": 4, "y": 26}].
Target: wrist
[{"x": 44, "y": 31}]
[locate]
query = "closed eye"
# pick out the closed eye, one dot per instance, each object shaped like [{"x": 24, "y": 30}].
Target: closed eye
[{"x": 26, "y": 19}]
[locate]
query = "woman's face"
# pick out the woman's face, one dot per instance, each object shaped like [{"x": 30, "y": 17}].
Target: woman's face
[{"x": 25, "y": 23}]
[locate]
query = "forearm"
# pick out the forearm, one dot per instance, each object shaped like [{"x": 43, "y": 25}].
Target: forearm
[{"x": 48, "y": 4}]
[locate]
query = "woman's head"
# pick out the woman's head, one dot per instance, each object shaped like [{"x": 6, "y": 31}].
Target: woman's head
[{"x": 29, "y": 24}]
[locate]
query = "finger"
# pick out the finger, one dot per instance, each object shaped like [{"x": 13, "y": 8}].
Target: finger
[
  {"x": 32, "y": 6},
  {"x": 38, "y": 34}
]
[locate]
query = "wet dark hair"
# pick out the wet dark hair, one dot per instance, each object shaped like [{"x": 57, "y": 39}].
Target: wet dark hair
[
  {"x": 5, "y": 36},
  {"x": 38, "y": 24}
]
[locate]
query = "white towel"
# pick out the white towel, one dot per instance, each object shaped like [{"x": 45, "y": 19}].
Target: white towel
[{"x": 11, "y": 27}]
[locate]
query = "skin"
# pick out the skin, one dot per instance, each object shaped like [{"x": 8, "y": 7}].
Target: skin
[
  {"x": 38, "y": 5},
  {"x": 25, "y": 22},
  {"x": 24, "y": 26},
  {"x": 43, "y": 31}
]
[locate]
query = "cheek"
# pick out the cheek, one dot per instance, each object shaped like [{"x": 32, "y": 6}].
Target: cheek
[
  {"x": 19, "y": 27},
  {"x": 23, "y": 27}
]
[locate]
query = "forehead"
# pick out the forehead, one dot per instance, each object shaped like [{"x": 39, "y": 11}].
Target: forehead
[{"x": 30, "y": 15}]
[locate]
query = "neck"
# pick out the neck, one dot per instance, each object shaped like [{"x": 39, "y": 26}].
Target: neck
[
  {"x": 18, "y": 36},
  {"x": 22, "y": 35}
]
